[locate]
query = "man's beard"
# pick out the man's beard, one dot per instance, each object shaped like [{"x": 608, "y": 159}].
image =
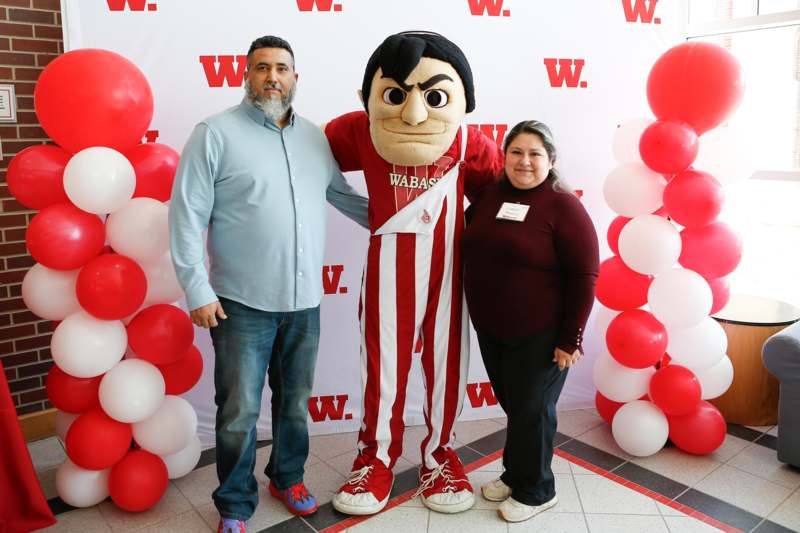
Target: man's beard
[{"x": 274, "y": 109}]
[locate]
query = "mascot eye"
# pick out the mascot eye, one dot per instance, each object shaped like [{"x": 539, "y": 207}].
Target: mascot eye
[
  {"x": 394, "y": 96},
  {"x": 436, "y": 98}
]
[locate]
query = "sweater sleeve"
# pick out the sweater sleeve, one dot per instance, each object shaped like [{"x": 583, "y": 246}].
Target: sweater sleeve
[
  {"x": 484, "y": 163},
  {"x": 578, "y": 256}
]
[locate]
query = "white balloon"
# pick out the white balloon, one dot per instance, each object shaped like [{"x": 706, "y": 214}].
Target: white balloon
[
  {"x": 618, "y": 382},
  {"x": 79, "y": 487},
  {"x": 726, "y": 153},
  {"x": 132, "y": 391},
  {"x": 50, "y": 293},
  {"x": 169, "y": 429},
  {"x": 649, "y": 244},
  {"x": 84, "y": 346},
  {"x": 63, "y": 420},
  {"x": 603, "y": 318},
  {"x": 139, "y": 230},
  {"x": 625, "y": 144},
  {"x": 632, "y": 189},
  {"x": 181, "y": 463},
  {"x": 99, "y": 180},
  {"x": 679, "y": 298},
  {"x": 640, "y": 428},
  {"x": 698, "y": 347},
  {"x": 162, "y": 282},
  {"x": 715, "y": 380}
]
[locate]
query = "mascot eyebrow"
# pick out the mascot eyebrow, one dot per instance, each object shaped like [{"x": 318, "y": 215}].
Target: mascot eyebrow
[
  {"x": 425, "y": 84},
  {"x": 399, "y": 54}
]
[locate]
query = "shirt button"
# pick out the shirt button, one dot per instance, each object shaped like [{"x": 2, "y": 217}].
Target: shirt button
[
  {"x": 300, "y": 250},
  {"x": 300, "y": 274},
  {"x": 299, "y": 225}
]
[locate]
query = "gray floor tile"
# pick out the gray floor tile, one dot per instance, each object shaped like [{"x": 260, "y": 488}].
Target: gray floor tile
[
  {"x": 763, "y": 462},
  {"x": 678, "y": 465},
  {"x": 601, "y": 495},
  {"x": 397, "y": 520},
  {"x": 472, "y": 521},
  {"x": 551, "y": 522},
  {"x": 744, "y": 490},
  {"x": 189, "y": 522},
  {"x": 472, "y": 430},
  {"x": 80, "y": 521},
  {"x": 172, "y": 503},
  {"x": 577, "y": 422},
  {"x": 788, "y": 512},
  {"x": 604, "y": 523}
]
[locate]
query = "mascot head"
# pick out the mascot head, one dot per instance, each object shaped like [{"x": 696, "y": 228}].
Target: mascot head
[{"x": 417, "y": 88}]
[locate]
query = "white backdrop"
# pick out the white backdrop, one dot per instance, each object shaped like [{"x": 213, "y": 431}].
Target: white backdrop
[{"x": 507, "y": 43}]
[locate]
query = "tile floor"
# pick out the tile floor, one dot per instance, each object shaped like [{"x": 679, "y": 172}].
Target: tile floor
[{"x": 741, "y": 485}]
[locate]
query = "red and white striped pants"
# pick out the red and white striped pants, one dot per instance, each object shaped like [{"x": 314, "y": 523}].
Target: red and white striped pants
[{"x": 412, "y": 290}]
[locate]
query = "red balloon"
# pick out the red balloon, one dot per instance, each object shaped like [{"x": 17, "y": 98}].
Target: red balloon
[
  {"x": 606, "y": 408},
  {"x": 155, "y": 166},
  {"x": 675, "y": 390},
  {"x": 63, "y": 237},
  {"x": 619, "y": 287},
  {"x": 614, "y": 229},
  {"x": 184, "y": 373},
  {"x": 36, "y": 176},
  {"x": 696, "y": 82},
  {"x": 95, "y": 441},
  {"x": 699, "y": 432},
  {"x": 668, "y": 146},
  {"x": 161, "y": 334},
  {"x": 693, "y": 198},
  {"x": 91, "y": 97},
  {"x": 636, "y": 339},
  {"x": 721, "y": 291},
  {"x": 71, "y": 394},
  {"x": 138, "y": 481},
  {"x": 712, "y": 251},
  {"x": 111, "y": 286}
]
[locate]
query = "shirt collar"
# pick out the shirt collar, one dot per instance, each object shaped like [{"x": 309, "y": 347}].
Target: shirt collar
[{"x": 258, "y": 116}]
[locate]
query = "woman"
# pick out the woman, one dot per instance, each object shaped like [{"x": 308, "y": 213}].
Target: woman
[{"x": 530, "y": 265}]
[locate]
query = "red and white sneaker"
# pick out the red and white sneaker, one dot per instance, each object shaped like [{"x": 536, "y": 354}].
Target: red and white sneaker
[
  {"x": 367, "y": 489},
  {"x": 445, "y": 489}
]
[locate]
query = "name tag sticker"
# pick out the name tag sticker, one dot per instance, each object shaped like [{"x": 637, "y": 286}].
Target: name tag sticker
[{"x": 515, "y": 212}]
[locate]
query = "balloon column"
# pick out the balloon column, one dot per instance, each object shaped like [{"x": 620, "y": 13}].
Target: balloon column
[
  {"x": 100, "y": 240},
  {"x": 665, "y": 355}
]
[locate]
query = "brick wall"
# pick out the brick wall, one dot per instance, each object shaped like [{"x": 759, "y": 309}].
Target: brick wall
[{"x": 30, "y": 37}]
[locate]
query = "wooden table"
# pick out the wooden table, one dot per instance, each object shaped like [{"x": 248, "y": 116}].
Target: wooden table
[{"x": 748, "y": 321}]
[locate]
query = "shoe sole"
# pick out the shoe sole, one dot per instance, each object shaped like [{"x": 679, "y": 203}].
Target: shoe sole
[
  {"x": 360, "y": 511},
  {"x": 539, "y": 509},
  {"x": 449, "y": 509},
  {"x": 277, "y": 495}
]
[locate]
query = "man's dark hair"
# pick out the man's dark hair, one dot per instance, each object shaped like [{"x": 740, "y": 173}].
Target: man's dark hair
[
  {"x": 400, "y": 53},
  {"x": 270, "y": 41}
]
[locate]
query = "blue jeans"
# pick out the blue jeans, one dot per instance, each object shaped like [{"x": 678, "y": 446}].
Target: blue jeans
[{"x": 250, "y": 344}]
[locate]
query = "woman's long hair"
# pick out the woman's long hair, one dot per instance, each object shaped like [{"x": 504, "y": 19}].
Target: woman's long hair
[{"x": 541, "y": 130}]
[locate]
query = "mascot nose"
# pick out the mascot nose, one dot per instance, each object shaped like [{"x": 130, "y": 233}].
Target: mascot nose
[{"x": 414, "y": 110}]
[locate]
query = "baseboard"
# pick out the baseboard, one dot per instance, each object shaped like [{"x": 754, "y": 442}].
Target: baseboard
[{"x": 38, "y": 425}]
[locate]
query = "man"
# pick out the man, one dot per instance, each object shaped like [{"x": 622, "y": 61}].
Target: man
[
  {"x": 418, "y": 161},
  {"x": 257, "y": 175}
]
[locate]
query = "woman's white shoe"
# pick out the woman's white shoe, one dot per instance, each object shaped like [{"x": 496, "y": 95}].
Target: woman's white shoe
[
  {"x": 495, "y": 490},
  {"x": 513, "y": 511}
]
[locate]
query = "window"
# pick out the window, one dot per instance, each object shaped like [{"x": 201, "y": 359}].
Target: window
[{"x": 764, "y": 35}]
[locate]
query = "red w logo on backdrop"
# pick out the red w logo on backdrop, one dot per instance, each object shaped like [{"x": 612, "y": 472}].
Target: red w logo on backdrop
[
  {"x": 496, "y": 132},
  {"x": 640, "y": 10},
  {"x": 331, "y": 277},
  {"x": 220, "y": 70},
  {"x": 488, "y": 8},
  {"x": 321, "y": 5},
  {"x": 132, "y": 5},
  {"x": 561, "y": 71},
  {"x": 322, "y": 408},
  {"x": 481, "y": 394}
]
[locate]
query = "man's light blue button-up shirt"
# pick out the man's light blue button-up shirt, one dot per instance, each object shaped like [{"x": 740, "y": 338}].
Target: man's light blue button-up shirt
[{"x": 261, "y": 191}]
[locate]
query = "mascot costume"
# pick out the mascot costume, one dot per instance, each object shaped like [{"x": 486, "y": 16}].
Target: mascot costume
[{"x": 419, "y": 161}]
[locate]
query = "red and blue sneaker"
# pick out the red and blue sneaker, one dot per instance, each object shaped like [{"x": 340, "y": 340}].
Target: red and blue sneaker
[
  {"x": 230, "y": 525},
  {"x": 296, "y": 498}
]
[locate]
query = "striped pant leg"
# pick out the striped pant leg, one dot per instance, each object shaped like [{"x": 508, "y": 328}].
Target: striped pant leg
[
  {"x": 388, "y": 327},
  {"x": 445, "y": 355}
]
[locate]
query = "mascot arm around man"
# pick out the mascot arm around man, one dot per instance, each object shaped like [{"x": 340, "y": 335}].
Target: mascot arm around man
[{"x": 419, "y": 162}]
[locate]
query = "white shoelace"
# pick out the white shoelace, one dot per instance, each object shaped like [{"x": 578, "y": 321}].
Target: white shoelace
[
  {"x": 430, "y": 478},
  {"x": 359, "y": 477}
]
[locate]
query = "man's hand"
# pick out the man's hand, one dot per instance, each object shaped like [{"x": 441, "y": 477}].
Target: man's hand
[
  {"x": 566, "y": 360},
  {"x": 206, "y": 316}
]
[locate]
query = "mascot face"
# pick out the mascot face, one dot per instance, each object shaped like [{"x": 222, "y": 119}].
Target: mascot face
[
  {"x": 416, "y": 89},
  {"x": 416, "y": 123}
]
